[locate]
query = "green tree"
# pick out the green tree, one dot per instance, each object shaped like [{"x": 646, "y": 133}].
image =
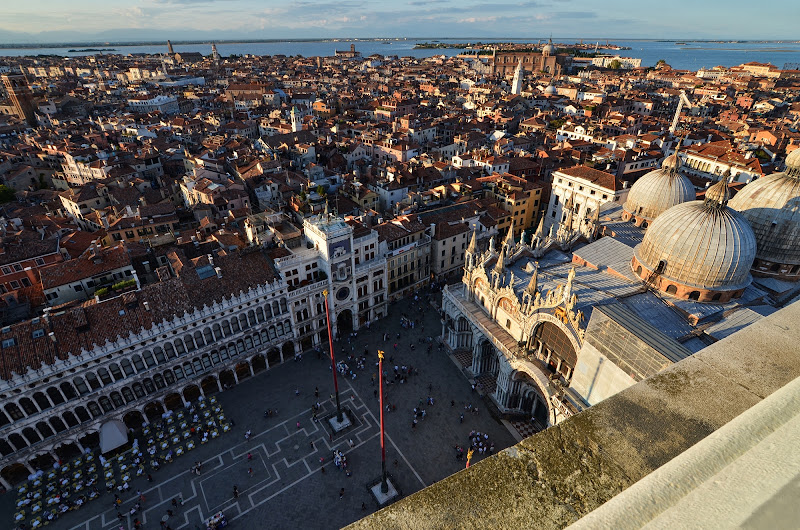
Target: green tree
[
  {"x": 6, "y": 194},
  {"x": 320, "y": 190},
  {"x": 660, "y": 62},
  {"x": 615, "y": 64}
]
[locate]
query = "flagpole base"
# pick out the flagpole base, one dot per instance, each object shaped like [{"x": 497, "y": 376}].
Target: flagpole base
[
  {"x": 384, "y": 498},
  {"x": 338, "y": 426}
]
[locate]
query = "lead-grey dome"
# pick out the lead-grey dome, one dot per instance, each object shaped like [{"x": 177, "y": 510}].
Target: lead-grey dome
[
  {"x": 772, "y": 206},
  {"x": 703, "y": 245},
  {"x": 658, "y": 191}
]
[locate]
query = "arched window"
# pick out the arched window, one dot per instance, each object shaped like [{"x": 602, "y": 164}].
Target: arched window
[
  {"x": 226, "y": 328},
  {"x": 138, "y": 389},
  {"x": 80, "y": 384},
  {"x": 68, "y": 390},
  {"x": 160, "y": 356},
  {"x": 169, "y": 350},
  {"x": 105, "y": 377},
  {"x": 259, "y": 314},
  {"x": 92, "y": 380},
  {"x": 694, "y": 295},
  {"x": 267, "y": 311},
  {"x": 116, "y": 398},
  {"x": 169, "y": 377},
  {"x": 235, "y": 325},
  {"x": 106, "y": 404},
  {"x": 208, "y": 336},
  {"x": 180, "y": 347},
  {"x": 159, "y": 381},
  {"x": 716, "y": 297},
  {"x": 138, "y": 363},
  {"x": 116, "y": 372},
  {"x": 149, "y": 360},
  {"x": 94, "y": 409},
  {"x": 671, "y": 289},
  {"x": 127, "y": 393}
]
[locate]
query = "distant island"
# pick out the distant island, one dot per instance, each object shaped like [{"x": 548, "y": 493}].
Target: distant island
[{"x": 92, "y": 50}]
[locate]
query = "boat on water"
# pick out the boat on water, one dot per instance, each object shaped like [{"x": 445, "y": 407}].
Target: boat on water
[{"x": 680, "y": 44}]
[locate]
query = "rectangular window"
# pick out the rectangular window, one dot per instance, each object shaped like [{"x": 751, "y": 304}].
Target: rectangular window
[
  {"x": 14, "y": 284},
  {"x": 25, "y": 282},
  {"x": 6, "y": 270},
  {"x": 39, "y": 262}
]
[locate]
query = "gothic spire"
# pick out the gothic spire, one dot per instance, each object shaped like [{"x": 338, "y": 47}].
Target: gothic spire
[
  {"x": 473, "y": 243},
  {"x": 509, "y": 242},
  {"x": 531, "y": 289},
  {"x": 499, "y": 267}
]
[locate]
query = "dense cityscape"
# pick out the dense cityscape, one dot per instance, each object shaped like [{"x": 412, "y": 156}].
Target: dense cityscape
[{"x": 202, "y": 255}]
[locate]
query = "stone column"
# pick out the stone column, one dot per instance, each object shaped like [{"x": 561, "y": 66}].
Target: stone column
[
  {"x": 235, "y": 377},
  {"x": 6, "y": 484},
  {"x": 219, "y": 385},
  {"x": 80, "y": 446},
  {"x": 3, "y": 412}
]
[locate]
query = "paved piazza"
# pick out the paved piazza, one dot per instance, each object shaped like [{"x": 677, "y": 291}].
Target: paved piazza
[{"x": 287, "y": 488}]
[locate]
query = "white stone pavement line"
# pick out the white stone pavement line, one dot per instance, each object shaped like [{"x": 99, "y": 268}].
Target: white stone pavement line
[
  {"x": 186, "y": 516},
  {"x": 391, "y": 441},
  {"x": 366, "y": 425},
  {"x": 285, "y": 488}
]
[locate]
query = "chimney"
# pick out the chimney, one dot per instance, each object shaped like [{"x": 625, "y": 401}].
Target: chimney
[
  {"x": 625, "y": 184},
  {"x": 146, "y": 306},
  {"x": 218, "y": 271}
]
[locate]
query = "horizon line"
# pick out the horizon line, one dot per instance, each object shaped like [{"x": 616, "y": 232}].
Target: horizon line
[{"x": 467, "y": 40}]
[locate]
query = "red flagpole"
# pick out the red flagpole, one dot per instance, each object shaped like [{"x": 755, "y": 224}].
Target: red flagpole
[
  {"x": 339, "y": 417},
  {"x": 384, "y": 484}
]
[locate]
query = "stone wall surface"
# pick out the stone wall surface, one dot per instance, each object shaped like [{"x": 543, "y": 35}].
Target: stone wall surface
[{"x": 555, "y": 477}]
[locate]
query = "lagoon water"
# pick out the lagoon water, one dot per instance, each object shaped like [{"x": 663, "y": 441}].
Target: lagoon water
[{"x": 692, "y": 55}]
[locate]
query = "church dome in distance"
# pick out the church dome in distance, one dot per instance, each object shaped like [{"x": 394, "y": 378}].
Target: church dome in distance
[
  {"x": 549, "y": 48},
  {"x": 771, "y": 205},
  {"x": 656, "y": 192},
  {"x": 698, "y": 250}
]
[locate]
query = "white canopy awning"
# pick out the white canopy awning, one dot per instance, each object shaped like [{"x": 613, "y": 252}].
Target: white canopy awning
[{"x": 112, "y": 435}]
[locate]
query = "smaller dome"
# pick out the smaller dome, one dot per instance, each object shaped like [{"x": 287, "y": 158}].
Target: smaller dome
[
  {"x": 550, "y": 90},
  {"x": 658, "y": 191}
]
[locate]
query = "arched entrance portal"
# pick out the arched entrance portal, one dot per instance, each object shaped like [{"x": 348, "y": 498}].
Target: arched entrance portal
[
  {"x": 242, "y": 370},
  {"x": 133, "y": 419},
  {"x": 173, "y": 401},
  {"x": 191, "y": 393},
  {"x": 258, "y": 363},
  {"x": 67, "y": 451},
  {"x": 555, "y": 348},
  {"x": 226, "y": 379},
  {"x": 344, "y": 322},
  {"x": 288, "y": 351},
  {"x": 209, "y": 385},
  {"x": 274, "y": 357},
  {"x": 153, "y": 411},
  {"x": 15, "y": 473}
]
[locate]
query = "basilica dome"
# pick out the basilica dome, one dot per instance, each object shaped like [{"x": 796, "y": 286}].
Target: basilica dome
[
  {"x": 698, "y": 250},
  {"x": 656, "y": 192},
  {"x": 772, "y": 207},
  {"x": 550, "y": 90}
]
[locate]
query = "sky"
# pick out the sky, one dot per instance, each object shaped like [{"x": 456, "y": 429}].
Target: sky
[{"x": 128, "y": 20}]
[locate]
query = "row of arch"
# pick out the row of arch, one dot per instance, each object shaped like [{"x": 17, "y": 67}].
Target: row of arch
[
  {"x": 124, "y": 402},
  {"x": 126, "y": 368}
]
